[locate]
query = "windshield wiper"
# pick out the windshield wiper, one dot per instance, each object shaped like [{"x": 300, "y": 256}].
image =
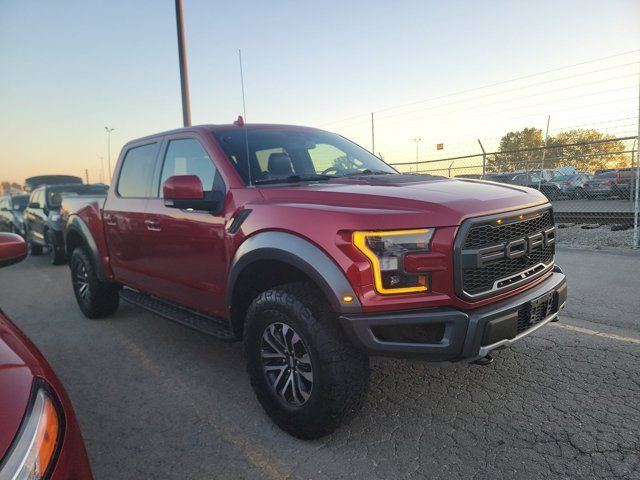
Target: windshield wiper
[
  {"x": 293, "y": 179},
  {"x": 368, "y": 171}
]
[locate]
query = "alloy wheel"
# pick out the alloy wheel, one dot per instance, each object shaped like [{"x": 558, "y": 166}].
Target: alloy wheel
[
  {"x": 286, "y": 364},
  {"x": 81, "y": 281}
]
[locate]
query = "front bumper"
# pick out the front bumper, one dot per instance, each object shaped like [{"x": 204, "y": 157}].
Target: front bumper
[{"x": 451, "y": 335}]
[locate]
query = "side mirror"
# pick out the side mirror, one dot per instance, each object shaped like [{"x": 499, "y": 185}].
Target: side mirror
[
  {"x": 13, "y": 249},
  {"x": 186, "y": 192}
]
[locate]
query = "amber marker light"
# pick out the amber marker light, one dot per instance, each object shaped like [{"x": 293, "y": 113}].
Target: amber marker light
[
  {"x": 31, "y": 457},
  {"x": 386, "y": 249}
]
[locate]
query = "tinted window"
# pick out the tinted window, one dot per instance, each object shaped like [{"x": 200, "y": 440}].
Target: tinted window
[
  {"x": 137, "y": 171},
  {"x": 188, "y": 157}
]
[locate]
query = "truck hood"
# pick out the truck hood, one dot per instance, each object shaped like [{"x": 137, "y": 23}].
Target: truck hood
[
  {"x": 446, "y": 201},
  {"x": 16, "y": 379}
]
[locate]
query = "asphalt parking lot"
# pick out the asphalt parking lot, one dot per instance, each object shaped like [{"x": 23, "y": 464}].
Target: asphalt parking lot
[{"x": 157, "y": 400}]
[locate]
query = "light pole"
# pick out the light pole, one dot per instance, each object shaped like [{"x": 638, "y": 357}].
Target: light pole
[
  {"x": 417, "y": 140},
  {"x": 101, "y": 168},
  {"x": 109, "y": 130}
]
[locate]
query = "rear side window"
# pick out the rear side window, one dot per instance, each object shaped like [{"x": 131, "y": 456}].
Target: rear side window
[
  {"x": 187, "y": 156},
  {"x": 137, "y": 170},
  {"x": 36, "y": 198}
]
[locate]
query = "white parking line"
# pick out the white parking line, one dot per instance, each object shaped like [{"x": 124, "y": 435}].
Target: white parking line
[{"x": 595, "y": 333}]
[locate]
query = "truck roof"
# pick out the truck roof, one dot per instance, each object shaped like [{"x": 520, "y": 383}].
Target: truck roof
[{"x": 223, "y": 127}]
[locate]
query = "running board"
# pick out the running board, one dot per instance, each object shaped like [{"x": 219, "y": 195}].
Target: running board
[{"x": 212, "y": 326}]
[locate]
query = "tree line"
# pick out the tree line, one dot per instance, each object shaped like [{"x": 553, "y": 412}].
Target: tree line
[{"x": 560, "y": 151}]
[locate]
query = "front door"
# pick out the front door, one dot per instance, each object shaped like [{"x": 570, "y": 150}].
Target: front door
[{"x": 186, "y": 248}]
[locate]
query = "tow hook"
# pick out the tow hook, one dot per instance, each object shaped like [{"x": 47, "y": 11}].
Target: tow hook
[{"x": 484, "y": 361}]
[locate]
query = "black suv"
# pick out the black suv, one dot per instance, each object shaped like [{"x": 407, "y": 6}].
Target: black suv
[
  {"x": 42, "y": 217},
  {"x": 11, "y": 213}
]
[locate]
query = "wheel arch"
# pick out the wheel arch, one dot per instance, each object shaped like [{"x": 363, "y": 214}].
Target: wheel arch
[
  {"x": 287, "y": 258},
  {"x": 77, "y": 234}
]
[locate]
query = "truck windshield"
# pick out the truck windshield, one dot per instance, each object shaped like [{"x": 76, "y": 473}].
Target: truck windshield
[
  {"x": 296, "y": 155},
  {"x": 20, "y": 202}
]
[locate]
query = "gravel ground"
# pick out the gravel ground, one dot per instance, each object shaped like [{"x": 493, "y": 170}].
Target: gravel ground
[{"x": 572, "y": 235}]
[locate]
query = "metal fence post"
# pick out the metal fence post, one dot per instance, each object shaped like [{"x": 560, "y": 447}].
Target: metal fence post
[
  {"x": 636, "y": 243},
  {"x": 484, "y": 159}
]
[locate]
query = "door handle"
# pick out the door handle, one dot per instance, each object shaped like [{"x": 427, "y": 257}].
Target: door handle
[
  {"x": 110, "y": 220},
  {"x": 153, "y": 225}
]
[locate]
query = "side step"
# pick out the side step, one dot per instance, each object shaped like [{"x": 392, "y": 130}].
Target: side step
[{"x": 213, "y": 326}]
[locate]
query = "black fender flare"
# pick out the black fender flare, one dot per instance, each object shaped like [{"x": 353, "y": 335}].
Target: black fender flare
[
  {"x": 301, "y": 254},
  {"x": 76, "y": 224}
]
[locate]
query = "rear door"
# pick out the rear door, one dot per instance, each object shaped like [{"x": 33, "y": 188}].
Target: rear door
[
  {"x": 124, "y": 214},
  {"x": 186, "y": 248},
  {"x": 35, "y": 216}
]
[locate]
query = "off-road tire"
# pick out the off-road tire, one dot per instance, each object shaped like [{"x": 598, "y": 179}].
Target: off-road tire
[
  {"x": 100, "y": 298},
  {"x": 56, "y": 256},
  {"x": 340, "y": 372}
]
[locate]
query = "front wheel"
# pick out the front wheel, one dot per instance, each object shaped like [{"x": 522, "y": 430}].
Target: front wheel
[
  {"x": 306, "y": 374},
  {"x": 95, "y": 298}
]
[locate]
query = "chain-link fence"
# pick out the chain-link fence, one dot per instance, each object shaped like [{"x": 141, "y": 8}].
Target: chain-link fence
[{"x": 592, "y": 185}]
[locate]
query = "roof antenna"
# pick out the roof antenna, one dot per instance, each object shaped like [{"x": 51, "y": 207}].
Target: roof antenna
[{"x": 242, "y": 122}]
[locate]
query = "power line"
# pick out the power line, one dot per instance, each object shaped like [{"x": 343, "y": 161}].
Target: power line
[
  {"x": 516, "y": 98},
  {"x": 515, "y": 108},
  {"x": 490, "y": 85}
]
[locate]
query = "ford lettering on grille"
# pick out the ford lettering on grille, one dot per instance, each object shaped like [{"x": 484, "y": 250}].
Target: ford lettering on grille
[
  {"x": 501, "y": 252},
  {"x": 516, "y": 248}
]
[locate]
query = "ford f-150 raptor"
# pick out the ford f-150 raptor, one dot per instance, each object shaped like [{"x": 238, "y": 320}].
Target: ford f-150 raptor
[{"x": 316, "y": 254}]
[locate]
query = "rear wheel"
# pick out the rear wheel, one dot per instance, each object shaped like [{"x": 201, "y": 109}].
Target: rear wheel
[
  {"x": 306, "y": 374},
  {"x": 56, "y": 256},
  {"x": 95, "y": 298}
]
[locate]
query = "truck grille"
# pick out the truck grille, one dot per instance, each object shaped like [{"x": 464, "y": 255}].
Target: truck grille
[{"x": 502, "y": 252}]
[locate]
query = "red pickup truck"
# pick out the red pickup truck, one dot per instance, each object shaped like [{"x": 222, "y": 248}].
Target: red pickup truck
[{"x": 316, "y": 254}]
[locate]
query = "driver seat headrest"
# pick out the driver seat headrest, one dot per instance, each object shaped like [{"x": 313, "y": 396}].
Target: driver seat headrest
[{"x": 280, "y": 165}]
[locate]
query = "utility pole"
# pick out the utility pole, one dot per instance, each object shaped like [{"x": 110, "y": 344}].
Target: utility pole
[
  {"x": 86, "y": 174},
  {"x": 109, "y": 130},
  {"x": 417, "y": 140},
  {"x": 184, "y": 76},
  {"x": 373, "y": 138}
]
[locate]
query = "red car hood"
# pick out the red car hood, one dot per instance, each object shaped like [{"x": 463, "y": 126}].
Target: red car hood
[
  {"x": 16, "y": 379},
  {"x": 447, "y": 201}
]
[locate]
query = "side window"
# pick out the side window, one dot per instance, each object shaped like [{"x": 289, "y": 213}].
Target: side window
[
  {"x": 186, "y": 156},
  {"x": 137, "y": 171},
  {"x": 325, "y": 156},
  {"x": 36, "y": 199}
]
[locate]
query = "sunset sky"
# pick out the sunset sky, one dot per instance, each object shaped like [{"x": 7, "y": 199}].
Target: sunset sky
[{"x": 69, "y": 68}]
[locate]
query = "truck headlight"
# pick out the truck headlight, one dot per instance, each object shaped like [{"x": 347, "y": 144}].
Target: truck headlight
[
  {"x": 386, "y": 251},
  {"x": 32, "y": 453}
]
